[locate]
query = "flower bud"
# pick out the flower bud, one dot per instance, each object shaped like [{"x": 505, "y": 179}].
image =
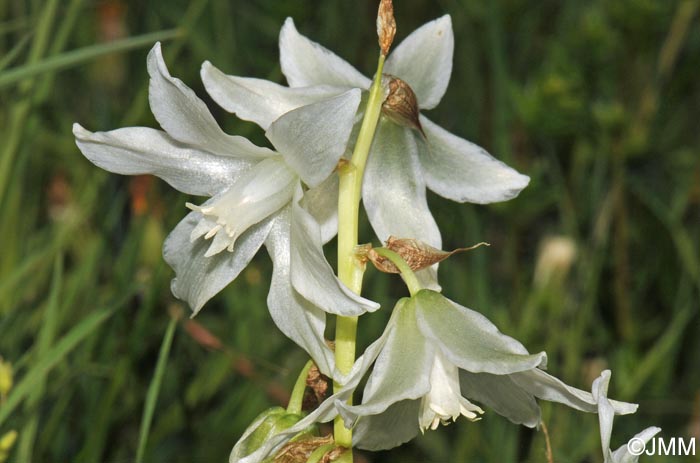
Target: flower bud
[
  {"x": 556, "y": 256},
  {"x": 268, "y": 424}
]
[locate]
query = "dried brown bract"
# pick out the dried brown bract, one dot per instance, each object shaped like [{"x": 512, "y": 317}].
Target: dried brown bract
[
  {"x": 417, "y": 254},
  {"x": 318, "y": 382},
  {"x": 300, "y": 451},
  {"x": 386, "y": 25},
  {"x": 401, "y": 104}
]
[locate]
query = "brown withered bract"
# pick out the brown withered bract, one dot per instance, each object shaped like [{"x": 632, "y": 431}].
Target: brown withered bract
[
  {"x": 386, "y": 25},
  {"x": 417, "y": 254},
  {"x": 401, "y": 104},
  {"x": 300, "y": 451},
  {"x": 318, "y": 383}
]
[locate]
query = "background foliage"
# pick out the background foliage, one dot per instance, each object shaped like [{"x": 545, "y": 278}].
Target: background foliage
[{"x": 596, "y": 261}]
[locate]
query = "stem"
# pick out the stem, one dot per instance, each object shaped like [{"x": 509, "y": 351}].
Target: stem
[
  {"x": 349, "y": 269},
  {"x": 297, "y": 398},
  {"x": 406, "y": 272}
]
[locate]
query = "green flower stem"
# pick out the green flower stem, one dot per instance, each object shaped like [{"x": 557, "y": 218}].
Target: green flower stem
[
  {"x": 406, "y": 272},
  {"x": 297, "y": 398},
  {"x": 350, "y": 271}
]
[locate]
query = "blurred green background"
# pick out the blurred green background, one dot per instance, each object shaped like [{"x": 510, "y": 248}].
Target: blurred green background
[{"x": 597, "y": 261}]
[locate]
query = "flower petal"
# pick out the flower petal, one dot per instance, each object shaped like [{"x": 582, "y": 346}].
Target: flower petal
[
  {"x": 140, "y": 150},
  {"x": 606, "y": 412},
  {"x": 547, "y": 387},
  {"x": 313, "y": 277},
  {"x": 261, "y": 191},
  {"x": 297, "y": 318},
  {"x": 306, "y": 63},
  {"x": 199, "y": 278},
  {"x": 312, "y": 138},
  {"x": 424, "y": 61},
  {"x": 623, "y": 455},
  {"x": 468, "y": 339},
  {"x": 187, "y": 119},
  {"x": 504, "y": 396},
  {"x": 322, "y": 203},
  {"x": 324, "y": 413},
  {"x": 397, "y": 425},
  {"x": 462, "y": 171},
  {"x": 258, "y": 100},
  {"x": 402, "y": 370},
  {"x": 393, "y": 192}
]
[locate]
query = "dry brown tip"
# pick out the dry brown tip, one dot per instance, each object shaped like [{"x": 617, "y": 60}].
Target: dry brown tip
[
  {"x": 386, "y": 25},
  {"x": 299, "y": 451},
  {"x": 401, "y": 104},
  {"x": 416, "y": 254},
  {"x": 318, "y": 382}
]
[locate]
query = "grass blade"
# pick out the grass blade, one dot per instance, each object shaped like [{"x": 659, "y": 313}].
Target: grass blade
[
  {"x": 82, "y": 55},
  {"x": 28, "y": 384},
  {"x": 154, "y": 388}
]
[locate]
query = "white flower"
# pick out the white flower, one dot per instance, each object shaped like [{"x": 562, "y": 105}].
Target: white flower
[
  {"x": 606, "y": 415},
  {"x": 402, "y": 163},
  {"x": 256, "y": 198},
  {"x": 445, "y": 401},
  {"x": 414, "y": 384}
]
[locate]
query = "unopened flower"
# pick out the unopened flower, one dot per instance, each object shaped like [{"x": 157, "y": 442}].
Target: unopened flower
[
  {"x": 439, "y": 356},
  {"x": 256, "y": 198},
  {"x": 606, "y": 415},
  {"x": 403, "y": 161}
]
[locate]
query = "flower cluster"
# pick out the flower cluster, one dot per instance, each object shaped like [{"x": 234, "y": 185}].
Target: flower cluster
[{"x": 435, "y": 359}]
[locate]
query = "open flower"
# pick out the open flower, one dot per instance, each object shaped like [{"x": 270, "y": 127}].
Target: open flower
[
  {"x": 403, "y": 160},
  {"x": 256, "y": 198},
  {"x": 437, "y": 357},
  {"x": 606, "y": 415}
]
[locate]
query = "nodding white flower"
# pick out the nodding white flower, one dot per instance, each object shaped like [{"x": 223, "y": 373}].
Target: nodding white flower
[
  {"x": 445, "y": 401},
  {"x": 403, "y": 160},
  {"x": 606, "y": 415},
  {"x": 256, "y": 198},
  {"x": 437, "y": 356}
]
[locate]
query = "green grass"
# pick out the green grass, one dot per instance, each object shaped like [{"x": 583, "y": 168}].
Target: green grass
[{"x": 597, "y": 101}]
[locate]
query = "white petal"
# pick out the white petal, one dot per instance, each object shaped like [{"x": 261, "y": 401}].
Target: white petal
[
  {"x": 198, "y": 278},
  {"x": 500, "y": 393},
  {"x": 462, "y": 171},
  {"x": 470, "y": 340},
  {"x": 547, "y": 387},
  {"x": 445, "y": 401},
  {"x": 623, "y": 455},
  {"x": 322, "y": 203},
  {"x": 312, "y": 138},
  {"x": 606, "y": 413},
  {"x": 261, "y": 191},
  {"x": 187, "y": 119},
  {"x": 424, "y": 61},
  {"x": 140, "y": 150},
  {"x": 306, "y": 63},
  {"x": 402, "y": 369},
  {"x": 324, "y": 413},
  {"x": 258, "y": 100},
  {"x": 395, "y": 426},
  {"x": 393, "y": 191},
  {"x": 313, "y": 277},
  {"x": 297, "y": 318}
]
